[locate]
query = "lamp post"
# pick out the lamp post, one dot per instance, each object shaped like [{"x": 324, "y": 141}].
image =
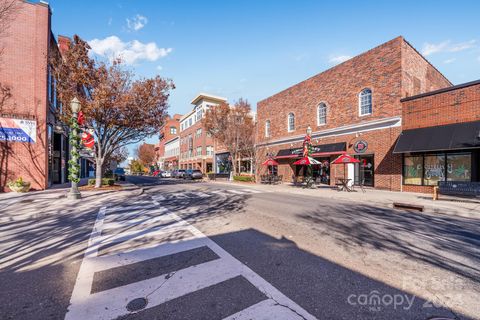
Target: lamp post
[{"x": 74, "y": 193}]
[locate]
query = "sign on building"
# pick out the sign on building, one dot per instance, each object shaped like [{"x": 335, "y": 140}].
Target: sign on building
[{"x": 18, "y": 130}]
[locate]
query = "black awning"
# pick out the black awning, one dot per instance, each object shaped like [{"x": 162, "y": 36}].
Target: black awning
[
  {"x": 323, "y": 148},
  {"x": 441, "y": 138}
]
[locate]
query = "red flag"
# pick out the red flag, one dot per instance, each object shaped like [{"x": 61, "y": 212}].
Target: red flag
[{"x": 80, "y": 119}]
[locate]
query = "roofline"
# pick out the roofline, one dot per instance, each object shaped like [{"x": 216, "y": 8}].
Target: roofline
[
  {"x": 171, "y": 140},
  {"x": 208, "y": 96},
  {"x": 447, "y": 89},
  {"x": 186, "y": 115},
  {"x": 333, "y": 67},
  {"x": 421, "y": 55}
]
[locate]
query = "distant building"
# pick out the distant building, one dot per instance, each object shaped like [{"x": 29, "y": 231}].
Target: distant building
[
  {"x": 169, "y": 131},
  {"x": 197, "y": 147}
]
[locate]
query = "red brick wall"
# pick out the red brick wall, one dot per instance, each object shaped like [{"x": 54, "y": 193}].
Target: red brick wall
[
  {"x": 166, "y": 135},
  {"x": 202, "y": 141},
  {"x": 459, "y": 105},
  {"x": 418, "y": 75},
  {"x": 23, "y": 67}
]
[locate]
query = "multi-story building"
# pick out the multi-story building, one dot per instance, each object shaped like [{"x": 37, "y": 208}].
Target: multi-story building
[
  {"x": 172, "y": 153},
  {"x": 169, "y": 131},
  {"x": 33, "y": 143},
  {"x": 196, "y": 145},
  {"x": 352, "y": 108}
]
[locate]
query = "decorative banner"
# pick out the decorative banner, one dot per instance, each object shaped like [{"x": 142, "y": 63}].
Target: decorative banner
[
  {"x": 81, "y": 119},
  {"x": 88, "y": 140},
  {"x": 18, "y": 130}
]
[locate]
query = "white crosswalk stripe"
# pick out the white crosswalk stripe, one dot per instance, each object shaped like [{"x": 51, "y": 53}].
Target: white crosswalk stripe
[
  {"x": 201, "y": 194},
  {"x": 111, "y": 303}
]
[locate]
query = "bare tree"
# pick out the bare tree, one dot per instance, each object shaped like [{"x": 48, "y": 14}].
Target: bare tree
[{"x": 233, "y": 127}]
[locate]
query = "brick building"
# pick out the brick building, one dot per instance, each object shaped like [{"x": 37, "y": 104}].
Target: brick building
[
  {"x": 440, "y": 140},
  {"x": 33, "y": 143},
  {"x": 196, "y": 146},
  {"x": 169, "y": 131},
  {"x": 352, "y": 108}
]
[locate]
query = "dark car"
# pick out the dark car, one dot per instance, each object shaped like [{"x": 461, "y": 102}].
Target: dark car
[
  {"x": 193, "y": 174},
  {"x": 119, "y": 174}
]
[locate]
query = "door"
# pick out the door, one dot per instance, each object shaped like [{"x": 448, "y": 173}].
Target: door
[{"x": 364, "y": 171}]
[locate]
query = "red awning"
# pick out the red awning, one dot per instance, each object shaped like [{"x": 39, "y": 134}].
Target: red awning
[
  {"x": 270, "y": 162},
  {"x": 345, "y": 158}
]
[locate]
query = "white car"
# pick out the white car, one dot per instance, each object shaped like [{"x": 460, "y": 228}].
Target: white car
[{"x": 166, "y": 174}]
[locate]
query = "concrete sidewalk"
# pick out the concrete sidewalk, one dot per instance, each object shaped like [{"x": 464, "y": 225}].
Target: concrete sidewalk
[{"x": 446, "y": 205}]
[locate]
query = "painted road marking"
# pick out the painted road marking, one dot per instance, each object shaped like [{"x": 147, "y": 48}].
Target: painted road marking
[{"x": 111, "y": 303}]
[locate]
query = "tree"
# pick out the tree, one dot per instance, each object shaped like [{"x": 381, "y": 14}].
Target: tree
[
  {"x": 121, "y": 110},
  {"x": 136, "y": 167},
  {"x": 120, "y": 155},
  {"x": 146, "y": 153},
  {"x": 234, "y": 128}
]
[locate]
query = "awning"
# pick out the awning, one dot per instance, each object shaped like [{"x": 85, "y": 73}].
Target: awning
[
  {"x": 440, "y": 138},
  {"x": 320, "y": 150}
]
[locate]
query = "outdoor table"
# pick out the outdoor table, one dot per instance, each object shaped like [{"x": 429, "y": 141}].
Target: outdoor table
[{"x": 344, "y": 184}]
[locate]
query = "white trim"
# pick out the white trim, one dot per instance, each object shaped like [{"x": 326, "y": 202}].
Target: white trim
[
  {"x": 349, "y": 129},
  {"x": 265, "y": 129}
]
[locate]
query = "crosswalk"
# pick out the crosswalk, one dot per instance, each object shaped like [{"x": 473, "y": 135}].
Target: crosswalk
[
  {"x": 194, "y": 194},
  {"x": 107, "y": 283}
]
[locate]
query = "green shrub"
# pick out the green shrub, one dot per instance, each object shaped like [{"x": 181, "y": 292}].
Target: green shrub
[
  {"x": 244, "y": 178},
  {"x": 105, "y": 182}
]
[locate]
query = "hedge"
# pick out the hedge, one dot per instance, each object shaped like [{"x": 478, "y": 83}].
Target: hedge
[
  {"x": 105, "y": 182},
  {"x": 244, "y": 178}
]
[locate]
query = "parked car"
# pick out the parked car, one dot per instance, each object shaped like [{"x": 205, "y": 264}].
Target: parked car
[
  {"x": 180, "y": 174},
  {"x": 193, "y": 174},
  {"x": 166, "y": 174},
  {"x": 156, "y": 173},
  {"x": 119, "y": 174}
]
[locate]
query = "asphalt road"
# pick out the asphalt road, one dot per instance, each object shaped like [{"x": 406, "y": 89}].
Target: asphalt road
[{"x": 196, "y": 250}]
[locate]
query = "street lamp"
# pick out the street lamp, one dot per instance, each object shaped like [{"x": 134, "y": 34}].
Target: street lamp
[
  {"x": 74, "y": 193},
  {"x": 309, "y": 131}
]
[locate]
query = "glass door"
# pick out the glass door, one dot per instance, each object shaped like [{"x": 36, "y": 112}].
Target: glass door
[{"x": 364, "y": 171}]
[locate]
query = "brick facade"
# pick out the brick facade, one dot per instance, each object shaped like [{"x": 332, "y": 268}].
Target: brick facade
[
  {"x": 27, "y": 44},
  {"x": 442, "y": 107},
  {"x": 166, "y": 134},
  {"x": 391, "y": 71}
]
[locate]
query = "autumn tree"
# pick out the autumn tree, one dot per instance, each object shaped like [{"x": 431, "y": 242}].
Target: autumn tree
[
  {"x": 146, "y": 153},
  {"x": 234, "y": 128},
  {"x": 120, "y": 109},
  {"x": 120, "y": 155}
]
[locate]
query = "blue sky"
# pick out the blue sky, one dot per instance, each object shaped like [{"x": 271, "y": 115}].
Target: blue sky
[{"x": 253, "y": 49}]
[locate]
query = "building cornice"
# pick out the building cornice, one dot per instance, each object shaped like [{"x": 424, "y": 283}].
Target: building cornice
[{"x": 338, "y": 131}]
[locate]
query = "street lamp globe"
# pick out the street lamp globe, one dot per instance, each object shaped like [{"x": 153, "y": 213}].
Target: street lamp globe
[
  {"x": 75, "y": 105},
  {"x": 309, "y": 131}
]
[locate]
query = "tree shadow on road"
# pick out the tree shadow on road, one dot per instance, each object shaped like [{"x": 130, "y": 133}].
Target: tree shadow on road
[{"x": 448, "y": 242}]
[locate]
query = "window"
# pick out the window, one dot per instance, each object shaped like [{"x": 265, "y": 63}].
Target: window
[
  {"x": 173, "y": 130},
  {"x": 199, "y": 151},
  {"x": 413, "y": 170},
  {"x": 459, "y": 167},
  {"x": 209, "y": 150},
  {"x": 322, "y": 114},
  {"x": 434, "y": 169},
  {"x": 198, "y": 133},
  {"x": 365, "y": 102},
  {"x": 199, "y": 114},
  {"x": 190, "y": 122},
  {"x": 209, "y": 134},
  {"x": 291, "y": 122},
  {"x": 267, "y": 128}
]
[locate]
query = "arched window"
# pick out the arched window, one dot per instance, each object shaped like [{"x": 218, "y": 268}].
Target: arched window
[
  {"x": 267, "y": 128},
  {"x": 365, "y": 102},
  {"x": 322, "y": 114},
  {"x": 291, "y": 122}
]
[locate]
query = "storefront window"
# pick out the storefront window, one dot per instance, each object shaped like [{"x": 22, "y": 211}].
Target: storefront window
[
  {"x": 434, "y": 167},
  {"x": 413, "y": 170},
  {"x": 459, "y": 167}
]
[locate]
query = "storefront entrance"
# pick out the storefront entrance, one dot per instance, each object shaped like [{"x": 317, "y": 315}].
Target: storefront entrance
[{"x": 364, "y": 171}]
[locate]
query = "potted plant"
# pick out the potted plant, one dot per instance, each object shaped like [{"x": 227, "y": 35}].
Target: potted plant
[{"x": 19, "y": 185}]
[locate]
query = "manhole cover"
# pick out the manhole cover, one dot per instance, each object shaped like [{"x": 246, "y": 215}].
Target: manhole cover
[{"x": 137, "y": 304}]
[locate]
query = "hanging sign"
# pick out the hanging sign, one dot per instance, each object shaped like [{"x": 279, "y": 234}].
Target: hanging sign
[
  {"x": 360, "y": 146},
  {"x": 88, "y": 140},
  {"x": 18, "y": 130}
]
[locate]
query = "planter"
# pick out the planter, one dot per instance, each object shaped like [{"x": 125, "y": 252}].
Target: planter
[{"x": 25, "y": 187}]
